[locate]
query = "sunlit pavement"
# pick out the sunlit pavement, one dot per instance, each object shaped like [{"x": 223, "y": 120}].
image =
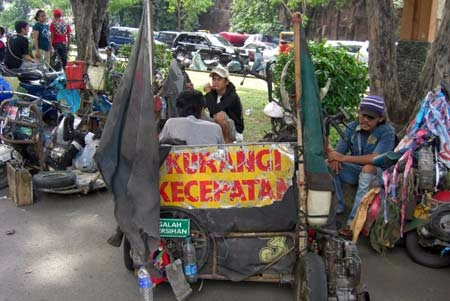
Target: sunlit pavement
[{"x": 58, "y": 252}]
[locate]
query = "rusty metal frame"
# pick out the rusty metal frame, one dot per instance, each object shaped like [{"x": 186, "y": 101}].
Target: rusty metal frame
[
  {"x": 36, "y": 139},
  {"x": 266, "y": 278}
]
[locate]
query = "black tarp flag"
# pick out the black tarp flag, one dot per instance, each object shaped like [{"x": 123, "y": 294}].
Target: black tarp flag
[{"x": 128, "y": 153}]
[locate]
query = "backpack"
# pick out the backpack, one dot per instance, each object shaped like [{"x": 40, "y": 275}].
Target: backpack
[{"x": 60, "y": 27}]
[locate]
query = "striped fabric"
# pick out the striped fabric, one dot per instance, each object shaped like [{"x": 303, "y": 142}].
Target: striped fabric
[{"x": 372, "y": 103}]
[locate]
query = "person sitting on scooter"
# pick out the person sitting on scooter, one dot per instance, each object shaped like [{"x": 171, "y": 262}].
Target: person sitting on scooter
[
  {"x": 224, "y": 105},
  {"x": 352, "y": 161},
  {"x": 17, "y": 53},
  {"x": 190, "y": 127}
]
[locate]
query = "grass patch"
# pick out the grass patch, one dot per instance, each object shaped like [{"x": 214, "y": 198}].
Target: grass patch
[{"x": 256, "y": 123}]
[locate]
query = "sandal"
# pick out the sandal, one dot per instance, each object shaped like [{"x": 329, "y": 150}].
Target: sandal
[{"x": 346, "y": 232}]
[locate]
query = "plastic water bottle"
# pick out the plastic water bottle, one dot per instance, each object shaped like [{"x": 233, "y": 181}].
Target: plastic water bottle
[
  {"x": 190, "y": 261},
  {"x": 145, "y": 284}
]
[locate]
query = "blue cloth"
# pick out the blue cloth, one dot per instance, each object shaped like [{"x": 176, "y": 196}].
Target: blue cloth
[
  {"x": 5, "y": 86},
  {"x": 382, "y": 139}
]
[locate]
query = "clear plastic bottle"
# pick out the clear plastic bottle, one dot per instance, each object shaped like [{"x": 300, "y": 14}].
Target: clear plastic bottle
[
  {"x": 190, "y": 261},
  {"x": 145, "y": 284},
  {"x": 426, "y": 168}
]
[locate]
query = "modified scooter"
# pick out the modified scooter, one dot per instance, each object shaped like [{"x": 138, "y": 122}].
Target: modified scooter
[{"x": 417, "y": 187}]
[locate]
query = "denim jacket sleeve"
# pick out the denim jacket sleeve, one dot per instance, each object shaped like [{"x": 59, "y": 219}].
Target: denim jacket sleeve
[{"x": 386, "y": 139}]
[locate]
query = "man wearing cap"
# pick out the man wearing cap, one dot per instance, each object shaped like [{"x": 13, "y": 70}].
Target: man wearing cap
[
  {"x": 60, "y": 37},
  {"x": 352, "y": 160},
  {"x": 190, "y": 128},
  {"x": 224, "y": 105}
]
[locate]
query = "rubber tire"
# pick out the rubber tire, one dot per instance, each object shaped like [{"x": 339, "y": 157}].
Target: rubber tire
[
  {"x": 423, "y": 256},
  {"x": 54, "y": 179},
  {"x": 127, "y": 260},
  {"x": 435, "y": 227},
  {"x": 310, "y": 279},
  {"x": 3, "y": 177}
]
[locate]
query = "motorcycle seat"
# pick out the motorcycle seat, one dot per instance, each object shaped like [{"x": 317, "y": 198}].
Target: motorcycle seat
[{"x": 30, "y": 74}]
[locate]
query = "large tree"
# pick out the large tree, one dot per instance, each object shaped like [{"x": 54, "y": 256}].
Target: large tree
[
  {"x": 383, "y": 62},
  {"x": 88, "y": 16}
]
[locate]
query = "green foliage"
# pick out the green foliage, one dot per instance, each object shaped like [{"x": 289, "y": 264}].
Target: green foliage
[
  {"x": 163, "y": 20},
  {"x": 23, "y": 9},
  {"x": 256, "y": 16},
  {"x": 349, "y": 78},
  {"x": 161, "y": 57},
  {"x": 188, "y": 10}
]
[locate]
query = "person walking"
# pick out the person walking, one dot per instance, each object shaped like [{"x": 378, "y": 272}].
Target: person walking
[
  {"x": 60, "y": 37},
  {"x": 41, "y": 38}
]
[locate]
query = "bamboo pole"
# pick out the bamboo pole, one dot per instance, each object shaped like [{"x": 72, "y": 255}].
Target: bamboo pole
[
  {"x": 148, "y": 4},
  {"x": 302, "y": 192}
]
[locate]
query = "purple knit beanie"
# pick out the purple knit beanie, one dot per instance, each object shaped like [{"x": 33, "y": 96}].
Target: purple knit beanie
[{"x": 372, "y": 106}]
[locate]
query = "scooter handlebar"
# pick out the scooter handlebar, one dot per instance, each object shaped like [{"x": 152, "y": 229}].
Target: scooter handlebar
[{"x": 56, "y": 105}]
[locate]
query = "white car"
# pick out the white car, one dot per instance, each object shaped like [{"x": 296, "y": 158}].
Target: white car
[{"x": 358, "y": 49}]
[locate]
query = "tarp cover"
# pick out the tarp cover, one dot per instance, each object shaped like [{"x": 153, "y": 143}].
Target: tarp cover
[
  {"x": 316, "y": 170},
  {"x": 128, "y": 153}
]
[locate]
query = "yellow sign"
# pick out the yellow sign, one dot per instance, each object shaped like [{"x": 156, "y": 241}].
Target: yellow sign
[{"x": 230, "y": 176}]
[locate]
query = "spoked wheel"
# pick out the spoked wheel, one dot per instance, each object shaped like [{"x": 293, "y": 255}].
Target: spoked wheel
[
  {"x": 426, "y": 256},
  {"x": 310, "y": 279},
  {"x": 199, "y": 235}
]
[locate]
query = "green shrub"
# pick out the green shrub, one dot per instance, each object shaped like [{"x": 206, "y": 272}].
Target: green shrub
[
  {"x": 349, "y": 77},
  {"x": 161, "y": 57}
]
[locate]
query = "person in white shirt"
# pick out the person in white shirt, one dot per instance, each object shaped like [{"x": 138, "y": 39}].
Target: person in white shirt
[{"x": 190, "y": 128}]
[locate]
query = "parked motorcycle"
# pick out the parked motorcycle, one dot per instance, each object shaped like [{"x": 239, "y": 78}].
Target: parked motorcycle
[
  {"x": 38, "y": 83},
  {"x": 419, "y": 182},
  {"x": 238, "y": 62}
]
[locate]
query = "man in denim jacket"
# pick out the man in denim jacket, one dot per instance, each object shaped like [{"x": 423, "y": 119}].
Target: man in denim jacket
[{"x": 365, "y": 138}]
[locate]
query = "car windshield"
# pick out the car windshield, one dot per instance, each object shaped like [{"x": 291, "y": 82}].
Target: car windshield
[{"x": 219, "y": 41}]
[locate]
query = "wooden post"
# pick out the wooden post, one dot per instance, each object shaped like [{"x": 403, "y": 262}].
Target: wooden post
[
  {"x": 419, "y": 20},
  {"x": 302, "y": 193}
]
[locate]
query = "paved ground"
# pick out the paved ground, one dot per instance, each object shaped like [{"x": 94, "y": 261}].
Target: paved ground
[{"x": 58, "y": 252}]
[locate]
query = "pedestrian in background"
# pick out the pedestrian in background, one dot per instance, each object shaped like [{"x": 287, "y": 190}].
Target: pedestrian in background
[
  {"x": 41, "y": 38},
  {"x": 60, "y": 37}
]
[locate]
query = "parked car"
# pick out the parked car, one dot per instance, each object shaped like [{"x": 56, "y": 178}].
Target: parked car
[
  {"x": 358, "y": 49},
  {"x": 260, "y": 38},
  {"x": 235, "y": 38},
  {"x": 167, "y": 37},
  {"x": 250, "y": 49},
  {"x": 209, "y": 46},
  {"x": 119, "y": 35}
]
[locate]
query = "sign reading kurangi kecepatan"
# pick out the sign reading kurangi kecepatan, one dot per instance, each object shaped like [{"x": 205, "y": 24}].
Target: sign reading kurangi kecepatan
[{"x": 226, "y": 176}]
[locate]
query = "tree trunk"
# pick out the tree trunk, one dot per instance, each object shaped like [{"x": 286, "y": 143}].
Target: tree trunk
[
  {"x": 88, "y": 19},
  {"x": 382, "y": 58},
  {"x": 437, "y": 63}
]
